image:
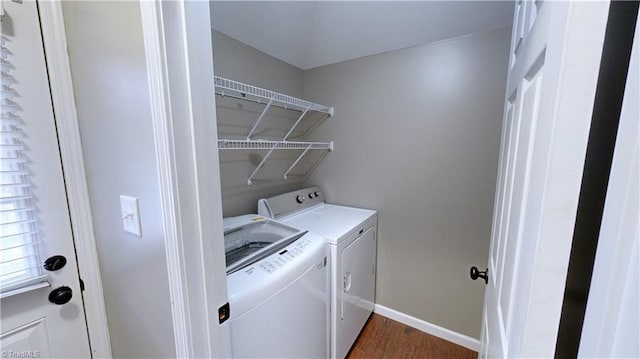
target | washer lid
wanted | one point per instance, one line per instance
(249, 238)
(234, 222)
(331, 221)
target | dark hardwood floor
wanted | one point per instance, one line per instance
(386, 338)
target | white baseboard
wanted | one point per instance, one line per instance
(437, 331)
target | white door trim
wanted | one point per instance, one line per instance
(154, 43)
(66, 117)
(177, 37)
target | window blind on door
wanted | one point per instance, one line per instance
(20, 263)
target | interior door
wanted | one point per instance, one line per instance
(358, 286)
(553, 68)
(35, 217)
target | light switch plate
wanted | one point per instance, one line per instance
(130, 215)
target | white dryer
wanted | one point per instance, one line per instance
(351, 234)
(278, 289)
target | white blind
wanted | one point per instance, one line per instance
(20, 263)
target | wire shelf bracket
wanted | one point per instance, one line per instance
(255, 125)
(296, 161)
(296, 124)
(259, 166)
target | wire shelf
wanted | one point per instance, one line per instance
(271, 146)
(242, 166)
(296, 121)
(268, 145)
(226, 87)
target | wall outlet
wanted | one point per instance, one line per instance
(130, 212)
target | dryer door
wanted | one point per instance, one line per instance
(358, 285)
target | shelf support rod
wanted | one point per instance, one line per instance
(260, 118)
(264, 159)
(298, 160)
(297, 122)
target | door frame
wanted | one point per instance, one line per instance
(196, 330)
(66, 120)
(179, 57)
(194, 275)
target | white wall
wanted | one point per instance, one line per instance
(417, 136)
(109, 73)
(237, 61)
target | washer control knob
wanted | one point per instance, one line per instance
(311, 195)
(317, 194)
(300, 198)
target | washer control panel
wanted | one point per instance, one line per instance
(273, 263)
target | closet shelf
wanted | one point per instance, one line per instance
(226, 87)
(272, 146)
(235, 89)
(267, 145)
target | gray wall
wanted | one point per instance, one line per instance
(417, 135)
(237, 61)
(109, 74)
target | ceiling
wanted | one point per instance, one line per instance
(309, 34)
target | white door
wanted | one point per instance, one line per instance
(553, 68)
(35, 222)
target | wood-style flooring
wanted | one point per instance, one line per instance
(386, 338)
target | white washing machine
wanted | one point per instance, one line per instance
(351, 234)
(277, 280)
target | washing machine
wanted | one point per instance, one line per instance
(277, 278)
(351, 235)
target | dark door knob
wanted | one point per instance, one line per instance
(60, 295)
(475, 274)
(54, 263)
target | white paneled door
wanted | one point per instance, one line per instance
(553, 69)
(41, 306)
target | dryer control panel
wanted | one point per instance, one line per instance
(281, 205)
